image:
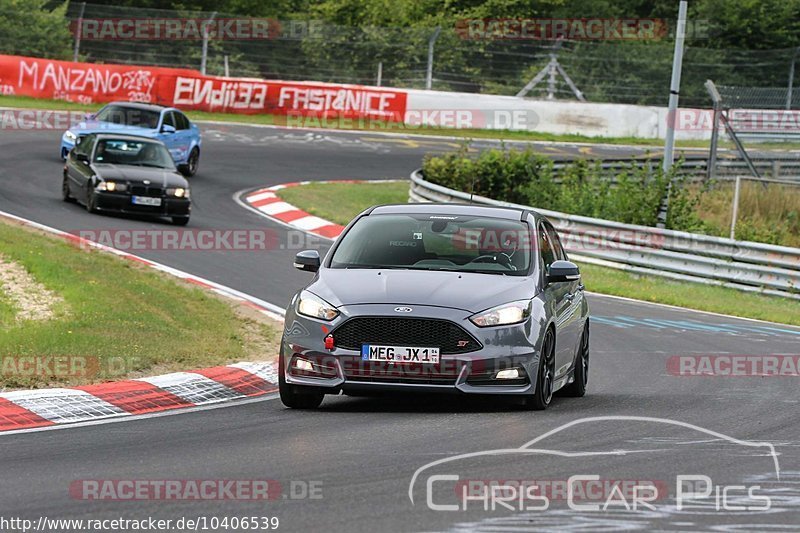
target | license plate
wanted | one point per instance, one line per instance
(399, 354)
(146, 200)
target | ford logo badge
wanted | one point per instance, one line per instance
(403, 309)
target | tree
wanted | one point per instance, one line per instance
(30, 28)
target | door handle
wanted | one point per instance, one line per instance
(569, 297)
(581, 287)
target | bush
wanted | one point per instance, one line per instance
(768, 214)
(633, 196)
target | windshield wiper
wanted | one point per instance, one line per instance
(150, 165)
(369, 266)
(485, 271)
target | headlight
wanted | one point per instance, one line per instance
(178, 192)
(70, 136)
(112, 186)
(510, 313)
(315, 307)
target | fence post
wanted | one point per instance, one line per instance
(227, 66)
(78, 31)
(735, 213)
(431, 42)
(379, 80)
(791, 79)
(204, 59)
(712, 151)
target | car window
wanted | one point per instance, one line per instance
(128, 116)
(434, 242)
(85, 145)
(181, 122)
(169, 120)
(131, 152)
(555, 242)
(546, 249)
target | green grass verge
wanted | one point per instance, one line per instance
(691, 295)
(366, 126)
(7, 311)
(125, 319)
(339, 202)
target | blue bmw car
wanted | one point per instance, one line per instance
(167, 124)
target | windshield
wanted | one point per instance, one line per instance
(138, 153)
(436, 242)
(129, 116)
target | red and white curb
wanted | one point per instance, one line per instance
(40, 408)
(47, 407)
(268, 204)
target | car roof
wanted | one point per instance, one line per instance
(453, 209)
(143, 106)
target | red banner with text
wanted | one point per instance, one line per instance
(90, 83)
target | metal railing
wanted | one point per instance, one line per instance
(786, 168)
(747, 266)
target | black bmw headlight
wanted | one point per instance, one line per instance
(178, 192)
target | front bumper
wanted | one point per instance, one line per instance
(474, 372)
(121, 203)
(66, 146)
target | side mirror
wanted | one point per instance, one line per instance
(563, 271)
(166, 128)
(88, 117)
(307, 260)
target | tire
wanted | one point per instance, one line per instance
(545, 375)
(291, 397)
(180, 221)
(192, 163)
(577, 388)
(65, 194)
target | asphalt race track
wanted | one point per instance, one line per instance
(362, 453)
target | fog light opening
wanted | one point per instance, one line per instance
(511, 373)
(302, 364)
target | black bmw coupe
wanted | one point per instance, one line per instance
(126, 174)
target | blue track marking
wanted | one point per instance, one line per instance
(691, 325)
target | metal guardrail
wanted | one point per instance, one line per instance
(776, 168)
(747, 266)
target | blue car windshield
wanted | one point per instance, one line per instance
(136, 153)
(436, 242)
(129, 116)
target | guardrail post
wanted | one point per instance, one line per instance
(735, 213)
(711, 168)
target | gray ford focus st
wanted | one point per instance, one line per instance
(451, 298)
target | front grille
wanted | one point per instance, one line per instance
(449, 337)
(141, 190)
